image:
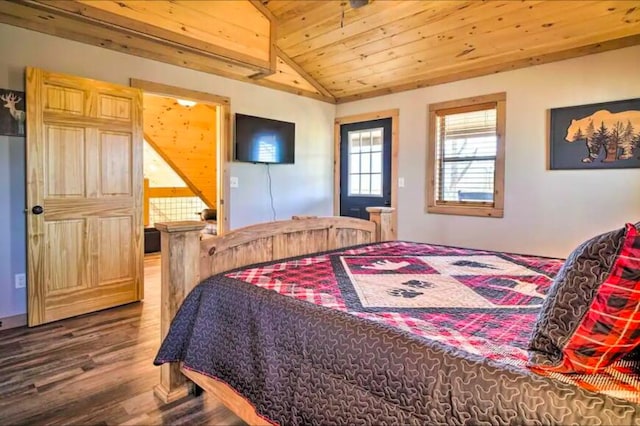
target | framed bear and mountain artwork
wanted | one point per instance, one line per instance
(12, 113)
(596, 136)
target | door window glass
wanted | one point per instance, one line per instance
(365, 162)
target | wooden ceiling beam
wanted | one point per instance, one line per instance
(160, 89)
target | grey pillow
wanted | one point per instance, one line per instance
(570, 296)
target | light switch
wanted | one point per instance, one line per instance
(233, 181)
(400, 182)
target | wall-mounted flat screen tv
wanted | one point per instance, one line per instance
(262, 140)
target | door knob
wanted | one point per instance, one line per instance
(37, 210)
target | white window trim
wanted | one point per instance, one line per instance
(462, 208)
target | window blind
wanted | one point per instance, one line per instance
(466, 147)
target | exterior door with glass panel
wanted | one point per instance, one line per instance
(365, 167)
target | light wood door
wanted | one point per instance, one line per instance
(84, 170)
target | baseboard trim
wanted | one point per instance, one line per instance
(13, 322)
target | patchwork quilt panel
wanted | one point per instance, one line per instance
(390, 333)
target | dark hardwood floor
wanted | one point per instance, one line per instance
(96, 369)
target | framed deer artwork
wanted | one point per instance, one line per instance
(12, 113)
(596, 136)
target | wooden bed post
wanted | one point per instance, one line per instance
(180, 251)
(383, 218)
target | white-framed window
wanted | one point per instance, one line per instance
(465, 165)
(365, 162)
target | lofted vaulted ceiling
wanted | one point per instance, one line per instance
(334, 50)
(185, 138)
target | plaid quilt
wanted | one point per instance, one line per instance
(481, 302)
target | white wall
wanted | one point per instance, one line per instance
(12, 224)
(546, 212)
(302, 188)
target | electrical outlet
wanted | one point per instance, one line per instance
(21, 280)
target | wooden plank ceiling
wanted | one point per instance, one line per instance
(333, 50)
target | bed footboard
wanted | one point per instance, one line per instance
(186, 260)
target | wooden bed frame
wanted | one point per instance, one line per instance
(186, 260)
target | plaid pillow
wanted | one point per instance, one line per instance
(591, 317)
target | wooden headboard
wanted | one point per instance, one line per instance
(186, 260)
(279, 240)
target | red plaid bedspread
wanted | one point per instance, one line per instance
(481, 302)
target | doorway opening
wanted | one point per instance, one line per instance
(186, 136)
